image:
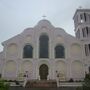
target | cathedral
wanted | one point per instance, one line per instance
(44, 51)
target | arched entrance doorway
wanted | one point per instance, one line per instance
(43, 72)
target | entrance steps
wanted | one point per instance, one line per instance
(56, 88)
(41, 84)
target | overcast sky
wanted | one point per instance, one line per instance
(16, 15)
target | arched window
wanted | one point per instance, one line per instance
(43, 46)
(28, 51)
(89, 69)
(59, 51)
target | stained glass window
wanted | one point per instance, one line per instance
(59, 51)
(43, 46)
(28, 51)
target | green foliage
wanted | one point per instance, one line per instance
(86, 84)
(4, 85)
(79, 88)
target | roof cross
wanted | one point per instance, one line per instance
(44, 16)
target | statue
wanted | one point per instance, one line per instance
(25, 78)
(60, 77)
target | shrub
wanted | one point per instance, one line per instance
(4, 85)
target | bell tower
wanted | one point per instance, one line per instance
(82, 31)
(82, 24)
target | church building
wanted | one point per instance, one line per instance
(45, 51)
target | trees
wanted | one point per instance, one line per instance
(86, 84)
(4, 85)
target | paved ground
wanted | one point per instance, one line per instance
(61, 88)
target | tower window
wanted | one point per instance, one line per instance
(87, 49)
(78, 34)
(84, 32)
(28, 51)
(59, 51)
(89, 69)
(87, 30)
(89, 17)
(81, 18)
(85, 16)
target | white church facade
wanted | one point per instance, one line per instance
(45, 50)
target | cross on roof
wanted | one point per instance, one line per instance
(80, 7)
(44, 16)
